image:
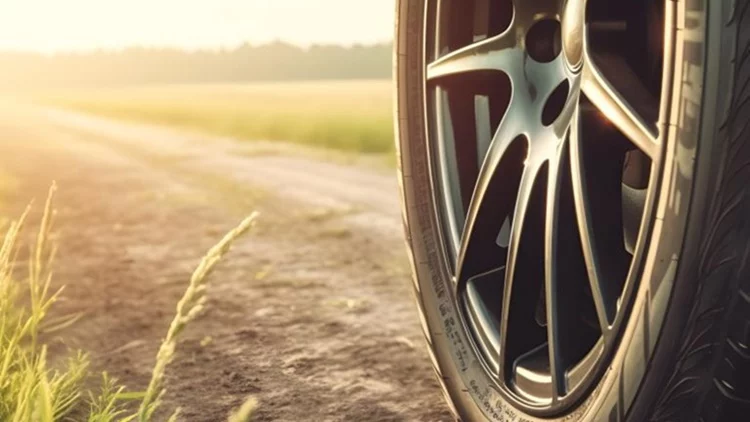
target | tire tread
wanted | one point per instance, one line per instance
(709, 380)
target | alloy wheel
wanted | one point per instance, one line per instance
(546, 129)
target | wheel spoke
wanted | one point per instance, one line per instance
(604, 96)
(495, 53)
(472, 254)
(446, 149)
(551, 272)
(586, 231)
(561, 125)
(525, 190)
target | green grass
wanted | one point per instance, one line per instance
(33, 391)
(353, 116)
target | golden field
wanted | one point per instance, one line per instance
(351, 116)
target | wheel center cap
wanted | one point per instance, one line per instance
(573, 19)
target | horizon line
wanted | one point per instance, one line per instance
(198, 49)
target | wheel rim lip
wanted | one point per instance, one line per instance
(595, 366)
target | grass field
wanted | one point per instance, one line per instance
(351, 116)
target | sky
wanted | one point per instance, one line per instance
(51, 26)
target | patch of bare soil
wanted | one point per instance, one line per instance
(312, 314)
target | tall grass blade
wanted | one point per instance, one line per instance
(244, 412)
(187, 308)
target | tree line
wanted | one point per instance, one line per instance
(270, 62)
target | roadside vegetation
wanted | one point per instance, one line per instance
(34, 389)
(352, 116)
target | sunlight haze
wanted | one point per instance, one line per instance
(80, 25)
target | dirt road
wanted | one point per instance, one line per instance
(312, 313)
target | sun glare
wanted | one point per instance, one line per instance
(54, 26)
